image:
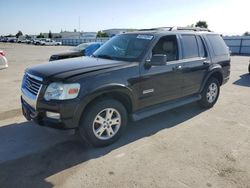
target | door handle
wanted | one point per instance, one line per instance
(206, 62)
(179, 67)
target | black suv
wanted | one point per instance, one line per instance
(135, 75)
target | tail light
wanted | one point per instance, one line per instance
(2, 53)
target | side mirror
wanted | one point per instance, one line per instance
(158, 60)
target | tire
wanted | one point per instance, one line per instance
(249, 68)
(210, 93)
(97, 128)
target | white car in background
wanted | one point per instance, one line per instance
(49, 42)
(3, 60)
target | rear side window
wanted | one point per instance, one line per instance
(190, 46)
(218, 45)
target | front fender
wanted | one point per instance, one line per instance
(99, 91)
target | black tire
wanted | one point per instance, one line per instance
(204, 102)
(249, 68)
(86, 129)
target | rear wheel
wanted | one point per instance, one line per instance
(210, 93)
(103, 123)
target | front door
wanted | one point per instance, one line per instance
(162, 83)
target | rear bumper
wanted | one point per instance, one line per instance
(65, 120)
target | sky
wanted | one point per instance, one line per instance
(229, 17)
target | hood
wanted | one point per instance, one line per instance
(65, 68)
(68, 53)
(65, 55)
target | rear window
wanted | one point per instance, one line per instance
(218, 44)
(190, 46)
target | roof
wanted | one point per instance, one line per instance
(170, 30)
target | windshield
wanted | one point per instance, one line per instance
(127, 47)
(81, 47)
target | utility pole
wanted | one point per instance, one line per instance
(79, 26)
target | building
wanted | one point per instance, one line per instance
(54, 35)
(113, 32)
(78, 35)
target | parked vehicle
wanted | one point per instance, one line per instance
(3, 60)
(35, 41)
(27, 41)
(47, 42)
(135, 75)
(85, 49)
(4, 39)
(249, 67)
(11, 39)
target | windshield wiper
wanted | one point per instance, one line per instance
(104, 56)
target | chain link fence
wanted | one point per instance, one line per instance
(75, 42)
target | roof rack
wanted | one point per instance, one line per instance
(190, 29)
(176, 29)
(157, 29)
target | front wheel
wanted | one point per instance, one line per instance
(103, 122)
(210, 93)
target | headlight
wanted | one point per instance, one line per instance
(60, 91)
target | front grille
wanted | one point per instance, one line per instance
(32, 83)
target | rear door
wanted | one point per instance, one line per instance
(196, 63)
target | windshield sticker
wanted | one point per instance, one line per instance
(146, 37)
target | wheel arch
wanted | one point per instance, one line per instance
(215, 72)
(120, 93)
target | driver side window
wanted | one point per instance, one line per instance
(168, 46)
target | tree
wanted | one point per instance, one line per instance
(58, 36)
(202, 24)
(101, 34)
(19, 33)
(10, 35)
(50, 34)
(40, 36)
(246, 34)
(27, 37)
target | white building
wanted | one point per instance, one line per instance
(113, 32)
(78, 35)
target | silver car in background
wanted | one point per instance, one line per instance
(3, 60)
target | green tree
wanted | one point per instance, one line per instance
(58, 37)
(50, 34)
(246, 34)
(202, 24)
(27, 37)
(10, 35)
(19, 33)
(40, 36)
(101, 34)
